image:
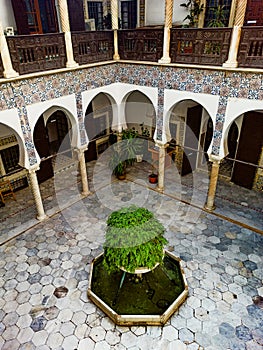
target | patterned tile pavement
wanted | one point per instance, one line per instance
(221, 256)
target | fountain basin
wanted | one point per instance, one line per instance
(146, 299)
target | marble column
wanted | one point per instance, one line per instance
(33, 182)
(213, 182)
(115, 26)
(161, 166)
(9, 72)
(236, 34)
(63, 12)
(83, 171)
(167, 26)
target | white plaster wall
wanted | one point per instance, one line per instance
(155, 12)
(6, 14)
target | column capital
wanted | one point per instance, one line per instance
(161, 145)
(214, 158)
(34, 168)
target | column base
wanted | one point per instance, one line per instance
(209, 208)
(160, 189)
(229, 64)
(85, 194)
(116, 57)
(42, 217)
(10, 74)
(72, 64)
(164, 60)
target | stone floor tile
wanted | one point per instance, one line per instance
(112, 337)
(129, 339)
(40, 338)
(102, 345)
(97, 334)
(169, 333)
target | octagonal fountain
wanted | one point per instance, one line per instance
(144, 294)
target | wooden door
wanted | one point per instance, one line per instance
(254, 10)
(48, 16)
(76, 15)
(42, 146)
(193, 123)
(128, 14)
(35, 16)
(249, 149)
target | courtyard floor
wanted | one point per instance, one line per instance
(221, 255)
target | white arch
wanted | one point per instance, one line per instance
(118, 93)
(173, 97)
(11, 119)
(236, 107)
(67, 104)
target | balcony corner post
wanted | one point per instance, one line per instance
(64, 17)
(115, 25)
(233, 49)
(236, 34)
(167, 26)
(8, 72)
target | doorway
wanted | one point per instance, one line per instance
(248, 150)
(50, 140)
(191, 141)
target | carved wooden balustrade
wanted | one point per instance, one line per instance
(34, 53)
(199, 46)
(140, 44)
(206, 46)
(250, 53)
(92, 46)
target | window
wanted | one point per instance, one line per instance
(96, 11)
(212, 12)
(10, 158)
(33, 16)
(128, 14)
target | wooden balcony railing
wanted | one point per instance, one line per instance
(140, 44)
(34, 53)
(200, 46)
(250, 53)
(206, 46)
(89, 47)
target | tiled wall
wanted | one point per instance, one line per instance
(20, 93)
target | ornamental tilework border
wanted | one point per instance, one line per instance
(21, 93)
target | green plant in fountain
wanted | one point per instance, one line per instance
(134, 238)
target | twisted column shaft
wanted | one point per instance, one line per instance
(212, 184)
(162, 154)
(36, 194)
(236, 34)
(167, 26)
(64, 17)
(83, 172)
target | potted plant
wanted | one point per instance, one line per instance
(134, 240)
(117, 163)
(153, 178)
